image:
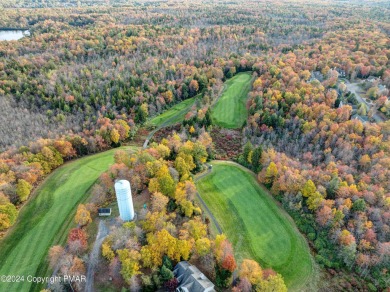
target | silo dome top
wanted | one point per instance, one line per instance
(122, 184)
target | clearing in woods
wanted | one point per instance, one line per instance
(174, 115)
(257, 227)
(46, 218)
(230, 110)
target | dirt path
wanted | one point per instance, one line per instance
(94, 255)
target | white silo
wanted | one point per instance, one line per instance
(125, 202)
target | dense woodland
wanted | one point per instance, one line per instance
(331, 172)
(89, 77)
(108, 62)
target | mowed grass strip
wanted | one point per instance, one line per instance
(230, 110)
(174, 115)
(45, 219)
(257, 227)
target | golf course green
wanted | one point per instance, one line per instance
(230, 111)
(257, 227)
(46, 218)
(174, 115)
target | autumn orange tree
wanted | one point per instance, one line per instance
(226, 263)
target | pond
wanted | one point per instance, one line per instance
(13, 35)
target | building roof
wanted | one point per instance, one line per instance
(191, 278)
(360, 118)
(372, 78)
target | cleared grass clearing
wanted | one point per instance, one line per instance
(257, 227)
(174, 115)
(230, 111)
(46, 218)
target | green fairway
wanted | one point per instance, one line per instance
(257, 227)
(230, 111)
(46, 218)
(174, 115)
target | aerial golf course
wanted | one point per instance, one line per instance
(252, 220)
(257, 227)
(46, 218)
(230, 111)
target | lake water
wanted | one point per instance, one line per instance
(12, 35)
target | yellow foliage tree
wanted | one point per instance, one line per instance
(123, 129)
(163, 243)
(308, 189)
(130, 263)
(107, 252)
(83, 217)
(196, 228)
(187, 207)
(163, 182)
(182, 167)
(156, 221)
(181, 198)
(203, 246)
(192, 130)
(257, 83)
(251, 270)
(218, 242)
(23, 190)
(114, 136)
(163, 150)
(365, 160)
(271, 173)
(4, 222)
(314, 201)
(271, 284)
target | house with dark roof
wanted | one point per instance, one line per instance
(191, 279)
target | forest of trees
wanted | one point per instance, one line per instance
(332, 173)
(88, 78)
(80, 64)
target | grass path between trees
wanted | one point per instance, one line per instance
(46, 218)
(170, 117)
(174, 115)
(256, 225)
(230, 110)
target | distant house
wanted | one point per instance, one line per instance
(104, 211)
(191, 279)
(341, 72)
(382, 89)
(316, 76)
(360, 118)
(373, 79)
